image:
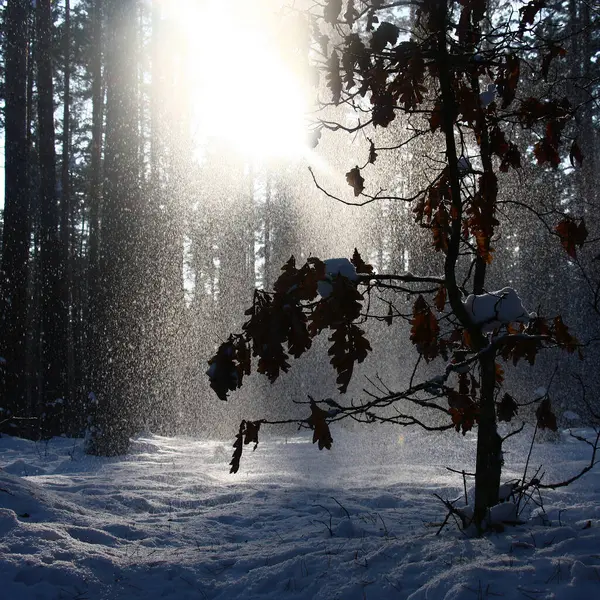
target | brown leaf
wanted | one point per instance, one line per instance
(317, 422)
(359, 264)
(563, 337)
(349, 346)
(499, 373)
(529, 12)
(440, 298)
(355, 181)
(228, 366)
(554, 52)
(546, 419)
(334, 79)
(372, 153)
(332, 10)
(386, 33)
(465, 417)
(424, 329)
(238, 449)
(571, 235)
(251, 433)
(389, 319)
(351, 13)
(507, 408)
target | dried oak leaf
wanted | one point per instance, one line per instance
(332, 10)
(355, 181)
(571, 235)
(552, 54)
(575, 155)
(349, 346)
(507, 408)
(389, 318)
(351, 13)
(359, 264)
(334, 79)
(386, 33)
(499, 373)
(424, 329)
(238, 449)
(440, 298)
(372, 153)
(228, 366)
(562, 336)
(251, 433)
(317, 422)
(546, 419)
(529, 12)
(464, 418)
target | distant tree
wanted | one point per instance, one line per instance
(457, 79)
(120, 281)
(52, 258)
(16, 217)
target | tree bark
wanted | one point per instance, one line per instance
(15, 239)
(95, 189)
(120, 283)
(54, 315)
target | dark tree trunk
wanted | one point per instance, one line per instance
(54, 320)
(489, 443)
(121, 302)
(66, 233)
(95, 194)
(16, 234)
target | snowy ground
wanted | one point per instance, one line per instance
(357, 522)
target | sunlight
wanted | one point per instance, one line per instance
(244, 88)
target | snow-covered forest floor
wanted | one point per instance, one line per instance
(357, 522)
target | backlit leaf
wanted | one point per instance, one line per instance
(571, 235)
(546, 419)
(507, 408)
(359, 264)
(317, 422)
(355, 181)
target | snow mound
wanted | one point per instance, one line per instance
(168, 522)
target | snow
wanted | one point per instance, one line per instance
(487, 97)
(496, 308)
(571, 416)
(334, 267)
(464, 165)
(168, 521)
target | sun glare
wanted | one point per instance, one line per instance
(243, 89)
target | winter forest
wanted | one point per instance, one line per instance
(300, 299)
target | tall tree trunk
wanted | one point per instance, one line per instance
(54, 321)
(15, 239)
(95, 195)
(120, 383)
(66, 233)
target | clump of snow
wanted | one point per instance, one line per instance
(333, 268)
(464, 165)
(494, 309)
(487, 97)
(572, 416)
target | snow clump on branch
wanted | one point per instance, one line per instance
(495, 309)
(333, 268)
